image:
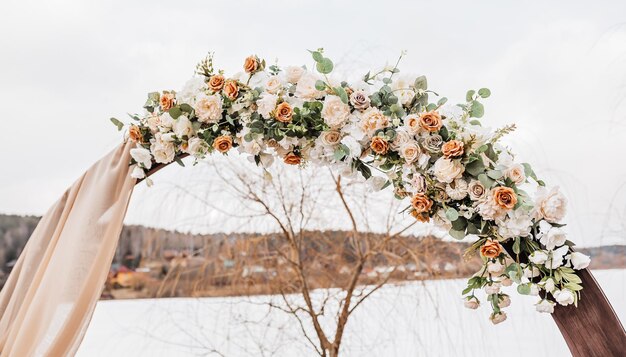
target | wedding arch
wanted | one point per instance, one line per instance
(386, 129)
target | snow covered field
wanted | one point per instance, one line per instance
(417, 319)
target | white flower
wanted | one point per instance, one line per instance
(495, 268)
(197, 147)
(579, 260)
(166, 120)
(545, 305)
(266, 105)
(305, 88)
(410, 151)
(472, 303)
(534, 290)
(492, 289)
(517, 224)
(335, 112)
(555, 237)
(497, 318)
(163, 152)
(293, 74)
(352, 145)
(550, 205)
(153, 122)
(447, 170)
(375, 183)
(142, 156)
(531, 272)
(273, 85)
(505, 301)
(137, 172)
(208, 108)
(457, 190)
(538, 257)
(556, 258)
(516, 174)
(506, 282)
(373, 119)
(190, 90)
(402, 137)
(488, 209)
(182, 127)
(330, 138)
(563, 297)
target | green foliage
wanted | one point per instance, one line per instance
(117, 123)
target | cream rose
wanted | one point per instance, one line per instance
(330, 138)
(266, 105)
(410, 151)
(141, 156)
(373, 119)
(335, 112)
(273, 85)
(305, 88)
(182, 127)
(447, 170)
(550, 205)
(208, 108)
(516, 174)
(412, 123)
(472, 303)
(163, 152)
(293, 74)
(197, 147)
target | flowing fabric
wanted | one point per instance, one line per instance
(49, 298)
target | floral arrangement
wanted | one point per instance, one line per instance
(438, 157)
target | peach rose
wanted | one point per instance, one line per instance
(216, 83)
(135, 134)
(504, 197)
(223, 143)
(231, 89)
(251, 64)
(430, 121)
(379, 145)
(421, 203)
(283, 112)
(292, 159)
(166, 101)
(412, 123)
(453, 148)
(491, 249)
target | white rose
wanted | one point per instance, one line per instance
(305, 88)
(457, 190)
(352, 145)
(495, 268)
(375, 183)
(545, 305)
(142, 156)
(182, 127)
(410, 152)
(554, 238)
(579, 260)
(273, 85)
(516, 174)
(197, 147)
(208, 108)
(550, 205)
(549, 285)
(497, 318)
(153, 123)
(166, 120)
(335, 112)
(563, 297)
(401, 87)
(402, 137)
(190, 90)
(472, 303)
(293, 74)
(447, 170)
(556, 257)
(163, 152)
(538, 257)
(137, 172)
(492, 289)
(266, 105)
(517, 224)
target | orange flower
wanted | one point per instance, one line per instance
(379, 145)
(231, 89)
(166, 101)
(292, 159)
(422, 217)
(223, 143)
(452, 149)
(251, 64)
(504, 197)
(135, 134)
(216, 82)
(491, 249)
(283, 112)
(421, 203)
(430, 121)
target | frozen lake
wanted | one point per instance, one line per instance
(417, 319)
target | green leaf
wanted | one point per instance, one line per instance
(442, 101)
(317, 56)
(469, 95)
(186, 108)
(516, 245)
(495, 174)
(459, 224)
(342, 94)
(484, 92)
(475, 168)
(485, 180)
(523, 289)
(421, 83)
(175, 112)
(117, 123)
(325, 66)
(320, 85)
(452, 214)
(457, 234)
(179, 161)
(477, 110)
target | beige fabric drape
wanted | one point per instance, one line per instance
(49, 298)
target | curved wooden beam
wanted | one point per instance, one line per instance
(590, 330)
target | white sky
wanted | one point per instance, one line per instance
(557, 69)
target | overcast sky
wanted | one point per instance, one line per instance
(557, 69)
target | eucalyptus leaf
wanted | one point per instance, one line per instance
(421, 83)
(452, 214)
(484, 92)
(117, 123)
(325, 66)
(457, 234)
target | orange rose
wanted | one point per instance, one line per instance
(223, 143)
(231, 89)
(283, 112)
(430, 121)
(504, 197)
(421, 203)
(135, 134)
(379, 145)
(491, 249)
(292, 159)
(216, 82)
(251, 64)
(452, 149)
(422, 217)
(166, 101)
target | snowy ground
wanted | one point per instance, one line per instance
(418, 319)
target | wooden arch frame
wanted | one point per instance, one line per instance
(590, 330)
